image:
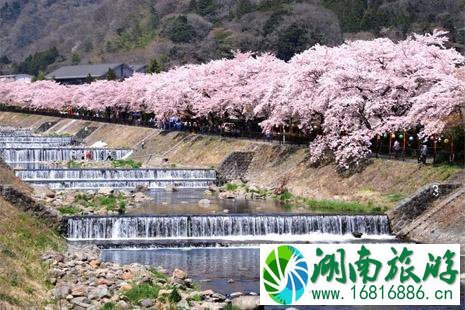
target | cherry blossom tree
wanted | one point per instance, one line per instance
(341, 97)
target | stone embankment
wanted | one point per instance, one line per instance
(434, 214)
(82, 281)
(234, 166)
(412, 207)
(19, 194)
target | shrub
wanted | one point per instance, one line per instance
(285, 196)
(142, 291)
(196, 297)
(158, 274)
(73, 164)
(68, 210)
(231, 187)
(108, 306)
(126, 163)
(174, 296)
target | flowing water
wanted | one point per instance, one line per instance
(36, 139)
(244, 227)
(119, 178)
(173, 229)
(220, 252)
(39, 154)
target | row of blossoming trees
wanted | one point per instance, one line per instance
(343, 96)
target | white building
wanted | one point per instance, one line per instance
(17, 77)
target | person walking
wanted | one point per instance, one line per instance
(423, 154)
(396, 148)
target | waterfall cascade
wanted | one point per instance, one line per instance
(35, 139)
(30, 154)
(220, 226)
(116, 174)
(22, 145)
(118, 178)
(33, 157)
(10, 131)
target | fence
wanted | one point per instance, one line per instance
(235, 130)
(439, 150)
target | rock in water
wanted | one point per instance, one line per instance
(106, 191)
(204, 203)
(179, 274)
(141, 188)
(170, 188)
(246, 302)
(357, 234)
(140, 197)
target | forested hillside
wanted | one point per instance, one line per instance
(36, 35)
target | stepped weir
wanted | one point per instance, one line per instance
(37, 154)
(118, 178)
(220, 226)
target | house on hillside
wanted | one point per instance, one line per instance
(80, 74)
(139, 68)
(17, 77)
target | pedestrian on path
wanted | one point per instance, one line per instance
(396, 148)
(423, 154)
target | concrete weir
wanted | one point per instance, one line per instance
(233, 227)
(152, 178)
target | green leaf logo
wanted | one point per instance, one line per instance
(285, 274)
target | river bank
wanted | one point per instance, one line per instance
(383, 183)
(81, 279)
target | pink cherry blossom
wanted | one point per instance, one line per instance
(341, 97)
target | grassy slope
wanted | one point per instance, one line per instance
(23, 240)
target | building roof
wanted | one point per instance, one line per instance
(18, 76)
(138, 67)
(81, 71)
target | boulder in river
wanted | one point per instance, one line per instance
(246, 302)
(204, 203)
(179, 274)
(106, 191)
(357, 234)
(170, 188)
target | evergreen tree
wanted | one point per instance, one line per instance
(153, 67)
(89, 79)
(75, 59)
(244, 7)
(111, 76)
(39, 77)
(4, 60)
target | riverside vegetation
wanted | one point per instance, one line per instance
(241, 190)
(119, 163)
(101, 202)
